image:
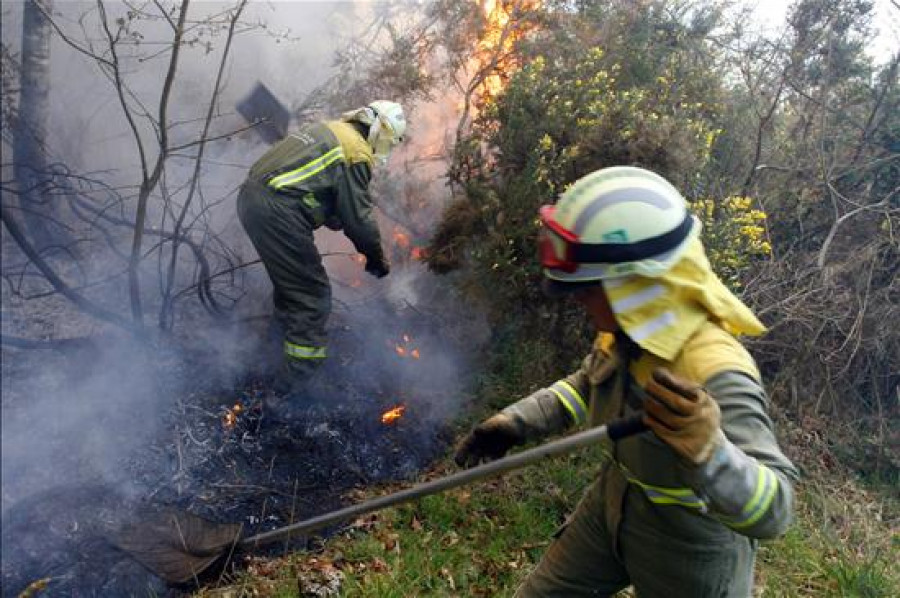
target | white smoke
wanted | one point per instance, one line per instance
(76, 418)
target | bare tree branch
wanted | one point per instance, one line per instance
(58, 283)
(165, 309)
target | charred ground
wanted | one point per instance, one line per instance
(207, 444)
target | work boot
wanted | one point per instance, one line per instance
(294, 399)
(286, 409)
(294, 375)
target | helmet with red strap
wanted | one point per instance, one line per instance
(614, 222)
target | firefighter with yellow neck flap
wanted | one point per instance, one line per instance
(318, 175)
(679, 511)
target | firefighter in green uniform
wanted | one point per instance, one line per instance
(318, 175)
(675, 512)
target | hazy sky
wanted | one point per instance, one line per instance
(887, 22)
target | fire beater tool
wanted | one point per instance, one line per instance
(261, 108)
(178, 546)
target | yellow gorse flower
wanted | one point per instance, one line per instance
(733, 233)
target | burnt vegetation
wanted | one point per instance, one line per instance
(137, 353)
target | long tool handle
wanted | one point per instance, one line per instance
(614, 431)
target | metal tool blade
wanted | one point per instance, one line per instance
(270, 117)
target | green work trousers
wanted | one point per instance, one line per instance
(282, 234)
(616, 538)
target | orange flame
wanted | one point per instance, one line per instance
(403, 349)
(401, 239)
(229, 420)
(493, 41)
(503, 29)
(393, 414)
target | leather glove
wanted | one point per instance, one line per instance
(489, 440)
(682, 415)
(378, 268)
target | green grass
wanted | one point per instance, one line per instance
(844, 543)
(483, 540)
(477, 541)
(470, 542)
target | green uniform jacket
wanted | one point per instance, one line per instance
(746, 486)
(327, 166)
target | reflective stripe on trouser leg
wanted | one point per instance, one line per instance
(295, 351)
(283, 238)
(299, 371)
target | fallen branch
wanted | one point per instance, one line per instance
(59, 344)
(83, 303)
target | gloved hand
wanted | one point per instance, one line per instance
(683, 416)
(378, 268)
(489, 440)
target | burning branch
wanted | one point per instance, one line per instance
(35, 588)
(392, 415)
(230, 419)
(494, 58)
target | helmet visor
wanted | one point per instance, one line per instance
(555, 243)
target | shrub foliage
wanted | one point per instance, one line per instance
(787, 150)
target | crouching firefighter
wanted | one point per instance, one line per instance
(318, 175)
(675, 512)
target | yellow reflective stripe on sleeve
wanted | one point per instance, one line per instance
(571, 400)
(575, 393)
(567, 405)
(309, 169)
(759, 503)
(303, 352)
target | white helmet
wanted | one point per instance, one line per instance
(615, 222)
(386, 122)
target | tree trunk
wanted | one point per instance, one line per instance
(30, 131)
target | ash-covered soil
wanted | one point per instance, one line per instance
(91, 447)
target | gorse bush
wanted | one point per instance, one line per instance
(734, 235)
(559, 121)
(786, 153)
(559, 118)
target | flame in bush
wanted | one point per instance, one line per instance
(494, 42)
(401, 239)
(504, 27)
(392, 414)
